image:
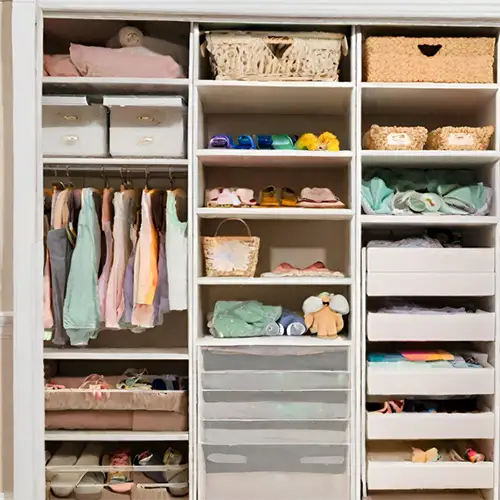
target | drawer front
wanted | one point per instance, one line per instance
(277, 359)
(137, 131)
(248, 432)
(274, 380)
(430, 284)
(74, 131)
(393, 327)
(275, 472)
(299, 405)
(387, 381)
(431, 260)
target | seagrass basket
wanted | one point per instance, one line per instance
(231, 255)
(437, 60)
(460, 138)
(252, 55)
(395, 138)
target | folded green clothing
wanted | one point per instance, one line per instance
(412, 191)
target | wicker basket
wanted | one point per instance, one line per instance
(231, 255)
(395, 138)
(238, 55)
(460, 138)
(438, 60)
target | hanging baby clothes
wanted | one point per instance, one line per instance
(160, 301)
(128, 284)
(48, 318)
(108, 235)
(124, 204)
(81, 306)
(146, 266)
(176, 255)
(60, 252)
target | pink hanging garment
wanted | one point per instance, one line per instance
(108, 235)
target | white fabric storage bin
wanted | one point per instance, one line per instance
(275, 472)
(240, 432)
(142, 126)
(72, 127)
(275, 359)
(274, 380)
(267, 405)
(394, 327)
(406, 426)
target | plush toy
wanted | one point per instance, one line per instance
(325, 142)
(323, 314)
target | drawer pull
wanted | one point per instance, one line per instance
(225, 458)
(145, 140)
(145, 118)
(70, 139)
(71, 118)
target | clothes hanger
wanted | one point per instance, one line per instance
(70, 184)
(105, 178)
(146, 179)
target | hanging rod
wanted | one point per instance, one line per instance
(108, 170)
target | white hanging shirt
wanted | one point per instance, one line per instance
(176, 250)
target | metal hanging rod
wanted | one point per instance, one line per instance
(109, 170)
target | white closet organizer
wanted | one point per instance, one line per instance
(281, 418)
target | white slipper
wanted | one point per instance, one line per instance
(67, 454)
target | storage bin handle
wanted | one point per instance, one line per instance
(146, 140)
(232, 218)
(278, 45)
(70, 139)
(429, 50)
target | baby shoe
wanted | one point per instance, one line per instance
(269, 197)
(246, 197)
(328, 142)
(222, 198)
(288, 197)
(292, 323)
(221, 141)
(245, 142)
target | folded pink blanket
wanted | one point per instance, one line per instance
(131, 62)
(59, 65)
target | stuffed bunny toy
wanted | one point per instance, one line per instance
(323, 314)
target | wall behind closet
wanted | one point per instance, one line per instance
(6, 250)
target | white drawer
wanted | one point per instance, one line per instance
(241, 432)
(265, 405)
(384, 380)
(147, 126)
(430, 284)
(275, 472)
(430, 260)
(399, 475)
(243, 380)
(393, 327)
(430, 426)
(255, 359)
(71, 127)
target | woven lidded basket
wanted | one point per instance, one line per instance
(231, 255)
(395, 138)
(239, 55)
(438, 60)
(460, 138)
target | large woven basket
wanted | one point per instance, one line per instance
(460, 138)
(231, 255)
(438, 60)
(395, 138)
(238, 55)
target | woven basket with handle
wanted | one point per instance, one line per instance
(238, 55)
(231, 255)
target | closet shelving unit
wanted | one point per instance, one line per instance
(346, 108)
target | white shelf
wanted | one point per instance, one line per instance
(428, 159)
(273, 158)
(311, 98)
(139, 353)
(428, 220)
(427, 495)
(96, 85)
(115, 436)
(276, 213)
(288, 281)
(422, 98)
(282, 340)
(120, 162)
(407, 426)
